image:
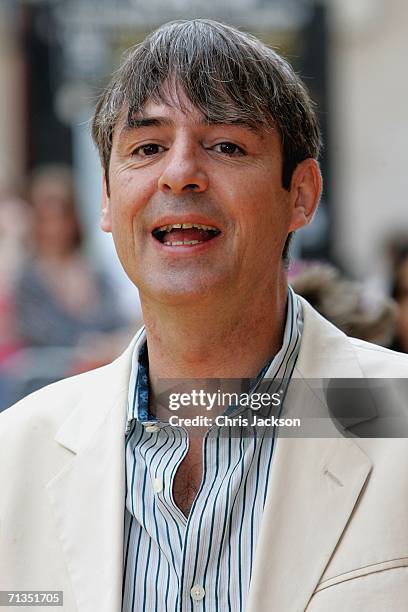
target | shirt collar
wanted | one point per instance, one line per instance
(279, 367)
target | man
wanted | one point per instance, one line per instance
(209, 144)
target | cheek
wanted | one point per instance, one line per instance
(130, 196)
(271, 213)
(275, 226)
(263, 228)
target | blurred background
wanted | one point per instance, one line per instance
(65, 303)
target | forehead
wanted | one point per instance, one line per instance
(179, 111)
(162, 114)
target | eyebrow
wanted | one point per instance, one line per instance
(141, 122)
(134, 123)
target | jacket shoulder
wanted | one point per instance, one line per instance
(378, 361)
(53, 403)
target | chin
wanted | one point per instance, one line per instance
(181, 291)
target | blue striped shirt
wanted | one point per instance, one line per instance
(203, 562)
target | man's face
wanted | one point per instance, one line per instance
(173, 169)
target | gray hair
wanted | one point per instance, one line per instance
(228, 75)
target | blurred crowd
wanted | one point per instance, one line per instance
(356, 307)
(60, 314)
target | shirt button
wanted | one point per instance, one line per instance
(197, 592)
(157, 485)
(152, 428)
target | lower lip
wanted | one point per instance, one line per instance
(186, 249)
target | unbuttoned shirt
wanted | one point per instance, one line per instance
(202, 562)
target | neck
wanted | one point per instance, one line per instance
(223, 338)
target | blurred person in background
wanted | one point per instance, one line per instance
(15, 231)
(399, 291)
(61, 299)
(353, 308)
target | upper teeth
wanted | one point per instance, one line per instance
(168, 228)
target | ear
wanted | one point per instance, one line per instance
(106, 222)
(305, 192)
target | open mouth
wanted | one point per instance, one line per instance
(185, 234)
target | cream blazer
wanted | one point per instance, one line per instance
(334, 534)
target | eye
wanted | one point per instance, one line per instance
(147, 150)
(228, 148)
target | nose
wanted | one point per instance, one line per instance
(182, 172)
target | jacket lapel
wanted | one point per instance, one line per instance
(314, 486)
(315, 482)
(88, 494)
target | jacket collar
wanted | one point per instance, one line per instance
(325, 352)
